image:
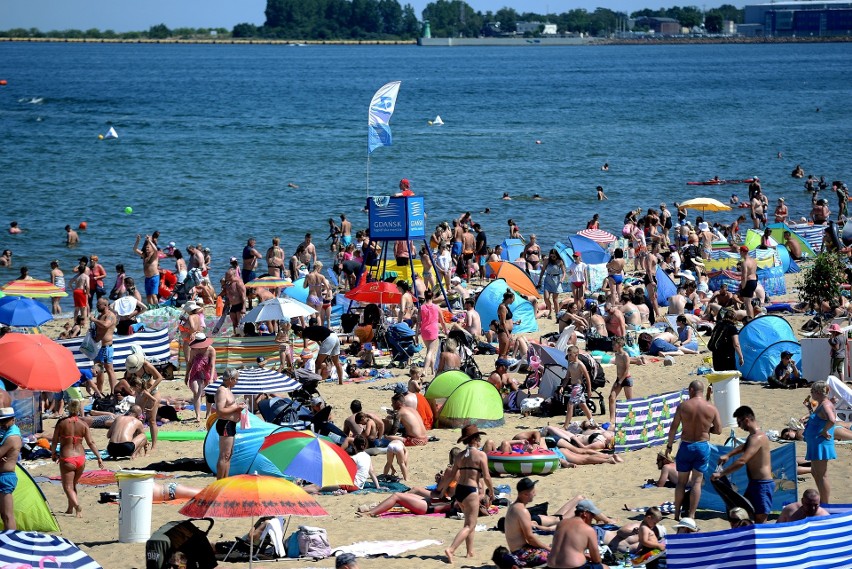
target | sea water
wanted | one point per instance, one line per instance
(211, 136)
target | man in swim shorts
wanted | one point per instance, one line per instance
(527, 550)
(699, 418)
(250, 257)
(80, 286)
(127, 434)
(345, 231)
(413, 431)
(150, 267)
(10, 449)
(758, 462)
(748, 280)
(104, 330)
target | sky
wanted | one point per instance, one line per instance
(135, 15)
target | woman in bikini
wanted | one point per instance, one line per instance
(615, 274)
(201, 369)
(71, 432)
(426, 261)
(471, 466)
(532, 254)
(505, 324)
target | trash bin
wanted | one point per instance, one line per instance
(726, 394)
(136, 496)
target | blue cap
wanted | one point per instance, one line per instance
(344, 559)
(501, 362)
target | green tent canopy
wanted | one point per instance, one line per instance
(474, 402)
(444, 384)
(778, 230)
(31, 510)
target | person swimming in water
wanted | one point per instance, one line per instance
(506, 196)
(605, 167)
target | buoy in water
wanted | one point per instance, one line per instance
(538, 142)
(83, 225)
(128, 210)
(429, 123)
(100, 137)
(2, 81)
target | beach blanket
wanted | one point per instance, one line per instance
(370, 488)
(644, 422)
(389, 548)
(597, 276)
(771, 278)
(101, 478)
(783, 473)
(155, 344)
(666, 508)
(400, 512)
(810, 543)
(243, 352)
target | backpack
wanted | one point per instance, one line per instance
(313, 542)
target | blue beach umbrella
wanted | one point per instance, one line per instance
(30, 548)
(23, 312)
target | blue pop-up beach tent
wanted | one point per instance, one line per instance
(762, 340)
(512, 249)
(590, 252)
(491, 297)
(245, 458)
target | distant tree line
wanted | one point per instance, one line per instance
(160, 31)
(387, 19)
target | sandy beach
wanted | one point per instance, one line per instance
(610, 486)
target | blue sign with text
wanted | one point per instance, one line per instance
(396, 218)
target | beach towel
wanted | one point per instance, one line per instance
(666, 508)
(644, 422)
(389, 548)
(101, 478)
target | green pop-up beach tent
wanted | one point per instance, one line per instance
(31, 510)
(473, 402)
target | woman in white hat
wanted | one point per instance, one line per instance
(201, 369)
(143, 378)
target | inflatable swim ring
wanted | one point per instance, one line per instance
(539, 461)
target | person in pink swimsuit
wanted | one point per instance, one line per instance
(201, 370)
(71, 456)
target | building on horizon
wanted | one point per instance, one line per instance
(797, 19)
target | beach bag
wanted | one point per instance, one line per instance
(291, 545)
(106, 403)
(313, 542)
(90, 347)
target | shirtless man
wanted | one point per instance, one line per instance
(699, 418)
(524, 545)
(500, 377)
(71, 236)
(809, 507)
(411, 423)
(127, 435)
(80, 290)
(649, 265)
(309, 252)
(573, 537)
(748, 280)
(345, 231)
(472, 321)
(351, 427)
(315, 283)
(722, 298)
(104, 330)
(235, 289)
(10, 449)
(622, 377)
(228, 413)
(275, 258)
(250, 257)
(614, 319)
(793, 246)
(150, 267)
(757, 211)
(755, 456)
(196, 259)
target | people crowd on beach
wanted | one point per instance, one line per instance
(440, 299)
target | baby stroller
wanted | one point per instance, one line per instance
(183, 536)
(292, 412)
(399, 339)
(467, 344)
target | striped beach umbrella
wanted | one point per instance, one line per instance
(281, 308)
(34, 549)
(302, 454)
(269, 282)
(598, 236)
(258, 380)
(33, 288)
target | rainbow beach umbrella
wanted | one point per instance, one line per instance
(250, 496)
(33, 288)
(301, 454)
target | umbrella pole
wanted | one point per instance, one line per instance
(251, 543)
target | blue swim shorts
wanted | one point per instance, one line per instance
(248, 276)
(457, 248)
(759, 493)
(152, 285)
(617, 279)
(346, 240)
(8, 481)
(693, 456)
(104, 355)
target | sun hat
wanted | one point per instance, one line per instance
(200, 340)
(835, 328)
(455, 279)
(172, 244)
(468, 432)
(525, 484)
(234, 261)
(703, 226)
(687, 523)
(686, 274)
(190, 307)
(317, 400)
(134, 362)
(588, 506)
(7, 413)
